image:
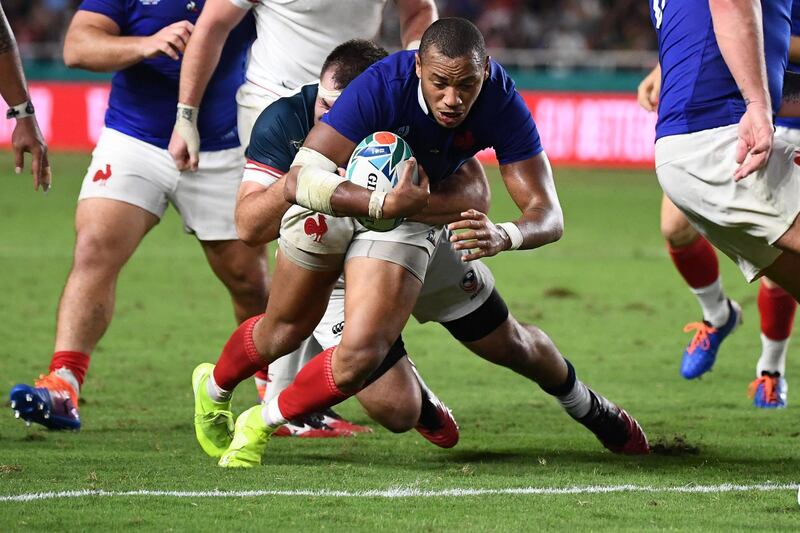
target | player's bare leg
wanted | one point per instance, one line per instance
(375, 319)
(394, 399)
(244, 272)
(107, 234)
(697, 262)
(528, 351)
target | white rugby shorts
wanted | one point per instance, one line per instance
(789, 135)
(743, 219)
(126, 169)
(452, 290)
(251, 100)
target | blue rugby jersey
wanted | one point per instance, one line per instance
(144, 96)
(387, 97)
(698, 91)
(792, 122)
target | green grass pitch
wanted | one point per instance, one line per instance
(607, 294)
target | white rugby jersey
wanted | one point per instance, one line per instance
(295, 36)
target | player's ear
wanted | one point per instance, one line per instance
(486, 69)
(417, 65)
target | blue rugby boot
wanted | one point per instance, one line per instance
(51, 402)
(699, 356)
(769, 391)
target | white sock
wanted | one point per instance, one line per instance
(713, 303)
(67, 375)
(217, 393)
(261, 384)
(578, 401)
(773, 356)
(271, 414)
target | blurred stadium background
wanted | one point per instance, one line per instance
(577, 62)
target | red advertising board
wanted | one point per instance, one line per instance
(584, 129)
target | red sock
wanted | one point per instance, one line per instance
(777, 310)
(312, 390)
(696, 262)
(239, 359)
(75, 362)
(262, 374)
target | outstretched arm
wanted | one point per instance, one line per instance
(531, 186)
(26, 136)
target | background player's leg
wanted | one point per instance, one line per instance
(394, 399)
(528, 351)
(785, 270)
(244, 271)
(108, 232)
(697, 262)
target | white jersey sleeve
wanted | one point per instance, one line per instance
(244, 4)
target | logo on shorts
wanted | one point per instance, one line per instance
(315, 228)
(797, 158)
(431, 237)
(338, 328)
(102, 176)
(471, 284)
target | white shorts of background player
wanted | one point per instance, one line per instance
(129, 170)
(742, 219)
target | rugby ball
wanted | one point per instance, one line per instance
(377, 164)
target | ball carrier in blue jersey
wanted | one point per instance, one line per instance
(132, 179)
(448, 101)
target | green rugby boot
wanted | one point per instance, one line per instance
(213, 421)
(249, 440)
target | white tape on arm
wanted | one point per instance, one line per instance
(186, 127)
(316, 181)
(513, 232)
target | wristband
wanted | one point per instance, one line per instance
(376, 200)
(22, 110)
(513, 232)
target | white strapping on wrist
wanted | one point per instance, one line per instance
(187, 112)
(513, 232)
(316, 181)
(376, 200)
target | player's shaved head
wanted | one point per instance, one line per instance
(350, 59)
(454, 38)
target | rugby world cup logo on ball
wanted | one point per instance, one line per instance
(377, 163)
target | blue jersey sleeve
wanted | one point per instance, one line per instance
(365, 106)
(116, 10)
(796, 18)
(272, 141)
(517, 139)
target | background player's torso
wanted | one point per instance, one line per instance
(792, 122)
(144, 96)
(295, 36)
(698, 91)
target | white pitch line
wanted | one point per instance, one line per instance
(407, 492)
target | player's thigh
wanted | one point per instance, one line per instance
(237, 265)
(393, 400)
(675, 227)
(109, 231)
(785, 271)
(297, 302)
(378, 302)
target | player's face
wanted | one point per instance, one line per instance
(450, 85)
(323, 105)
